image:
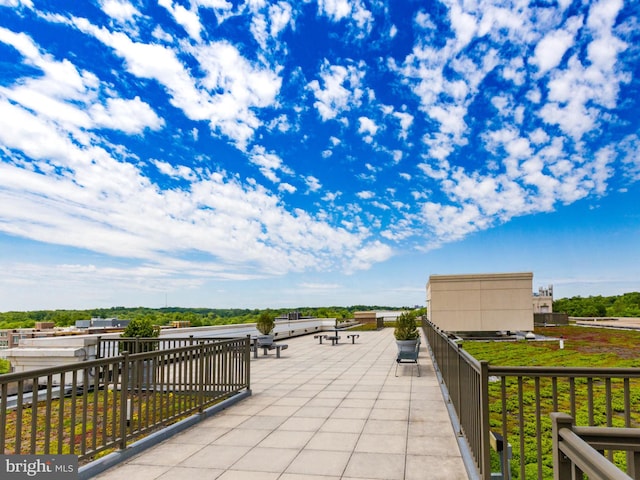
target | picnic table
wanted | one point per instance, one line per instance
(335, 336)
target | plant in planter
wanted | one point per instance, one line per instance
(140, 328)
(138, 334)
(265, 325)
(406, 332)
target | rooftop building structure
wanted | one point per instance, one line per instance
(486, 302)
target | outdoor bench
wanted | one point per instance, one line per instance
(353, 337)
(272, 346)
(320, 337)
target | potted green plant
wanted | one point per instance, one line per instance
(141, 329)
(406, 332)
(139, 333)
(265, 326)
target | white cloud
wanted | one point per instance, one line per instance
(369, 255)
(539, 136)
(129, 116)
(120, 10)
(577, 92)
(339, 89)
(366, 194)
(367, 126)
(188, 19)
(313, 184)
(269, 21)
(175, 171)
(629, 149)
(269, 163)
(227, 96)
(107, 206)
(320, 286)
(515, 71)
(367, 129)
(16, 3)
(286, 187)
(406, 120)
(70, 97)
(331, 196)
(464, 25)
(423, 20)
(450, 223)
(338, 10)
(335, 9)
(553, 46)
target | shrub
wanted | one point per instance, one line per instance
(265, 323)
(142, 328)
(406, 327)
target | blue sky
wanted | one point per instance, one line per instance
(219, 153)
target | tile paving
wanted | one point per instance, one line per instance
(320, 412)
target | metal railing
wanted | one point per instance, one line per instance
(96, 406)
(516, 402)
(578, 450)
(111, 347)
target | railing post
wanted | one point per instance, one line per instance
(247, 359)
(561, 464)
(459, 389)
(484, 420)
(633, 464)
(124, 392)
(202, 348)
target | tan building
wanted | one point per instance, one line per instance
(481, 302)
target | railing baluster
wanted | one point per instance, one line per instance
(538, 426)
(521, 425)
(61, 406)
(4, 392)
(590, 399)
(74, 396)
(34, 415)
(572, 396)
(47, 417)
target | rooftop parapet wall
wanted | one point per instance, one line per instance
(35, 353)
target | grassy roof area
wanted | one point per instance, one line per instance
(583, 347)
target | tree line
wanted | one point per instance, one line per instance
(198, 317)
(625, 305)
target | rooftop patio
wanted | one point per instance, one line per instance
(318, 412)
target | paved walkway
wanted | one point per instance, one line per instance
(320, 412)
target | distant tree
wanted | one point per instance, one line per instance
(627, 305)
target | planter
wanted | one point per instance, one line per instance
(265, 339)
(407, 345)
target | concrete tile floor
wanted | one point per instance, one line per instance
(320, 412)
